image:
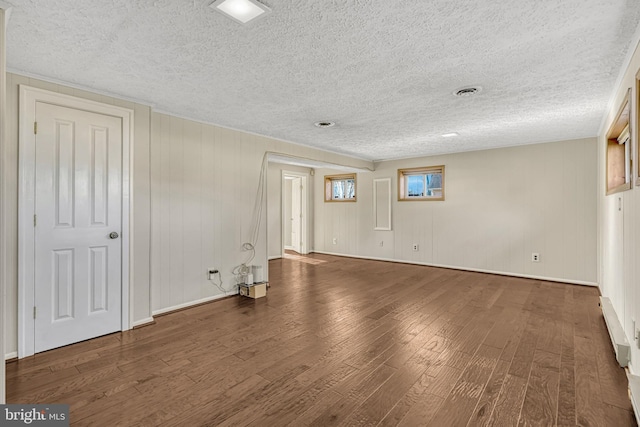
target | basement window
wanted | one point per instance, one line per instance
(619, 150)
(340, 188)
(425, 183)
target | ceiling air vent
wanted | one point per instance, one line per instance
(467, 91)
(324, 124)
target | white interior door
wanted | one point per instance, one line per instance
(78, 222)
(296, 214)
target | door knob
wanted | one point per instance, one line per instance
(113, 235)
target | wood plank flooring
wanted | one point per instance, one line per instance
(352, 342)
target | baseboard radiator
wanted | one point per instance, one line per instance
(634, 394)
(618, 337)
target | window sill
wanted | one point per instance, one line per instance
(619, 189)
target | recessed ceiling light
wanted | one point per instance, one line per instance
(449, 135)
(467, 91)
(241, 11)
(324, 124)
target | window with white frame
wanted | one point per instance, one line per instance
(340, 188)
(425, 183)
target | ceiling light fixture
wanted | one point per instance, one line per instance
(467, 91)
(241, 11)
(449, 135)
(324, 124)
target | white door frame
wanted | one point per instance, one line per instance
(26, 204)
(296, 195)
(304, 199)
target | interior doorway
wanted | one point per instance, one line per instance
(294, 212)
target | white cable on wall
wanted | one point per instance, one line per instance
(250, 246)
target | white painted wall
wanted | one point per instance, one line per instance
(274, 206)
(619, 230)
(501, 205)
(204, 182)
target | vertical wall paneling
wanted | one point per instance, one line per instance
(501, 205)
(193, 191)
(619, 234)
(204, 187)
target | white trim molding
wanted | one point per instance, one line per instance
(304, 226)
(634, 394)
(455, 267)
(142, 322)
(618, 338)
(193, 303)
(26, 204)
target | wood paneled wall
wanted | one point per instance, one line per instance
(194, 187)
(204, 183)
(501, 206)
(619, 224)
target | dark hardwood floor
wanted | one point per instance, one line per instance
(341, 341)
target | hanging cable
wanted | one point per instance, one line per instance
(218, 284)
(244, 269)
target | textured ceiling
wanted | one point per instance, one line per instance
(383, 70)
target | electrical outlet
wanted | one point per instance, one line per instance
(211, 272)
(416, 248)
(381, 243)
(535, 257)
(335, 240)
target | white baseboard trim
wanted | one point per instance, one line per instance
(12, 355)
(456, 267)
(618, 338)
(634, 394)
(142, 322)
(192, 303)
(289, 248)
(274, 257)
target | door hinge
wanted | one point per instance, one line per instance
(34, 311)
(34, 220)
(35, 128)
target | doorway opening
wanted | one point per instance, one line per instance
(294, 212)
